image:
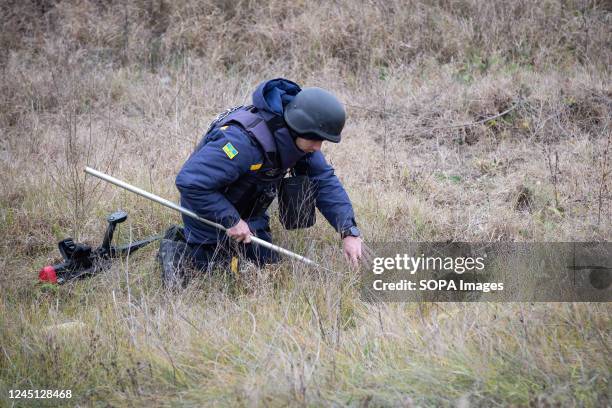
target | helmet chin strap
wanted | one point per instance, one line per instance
(294, 137)
(293, 134)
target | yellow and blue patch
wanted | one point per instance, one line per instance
(230, 150)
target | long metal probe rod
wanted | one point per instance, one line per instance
(191, 214)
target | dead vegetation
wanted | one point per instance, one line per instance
(468, 121)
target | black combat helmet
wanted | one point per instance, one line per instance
(315, 113)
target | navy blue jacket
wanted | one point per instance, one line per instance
(210, 169)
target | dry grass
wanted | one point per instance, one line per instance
(129, 87)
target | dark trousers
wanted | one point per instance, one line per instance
(205, 255)
(177, 256)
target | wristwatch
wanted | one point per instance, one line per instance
(350, 232)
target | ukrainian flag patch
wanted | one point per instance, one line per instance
(230, 150)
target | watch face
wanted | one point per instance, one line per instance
(351, 232)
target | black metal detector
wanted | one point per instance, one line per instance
(80, 260)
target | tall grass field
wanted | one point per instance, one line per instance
(467, 120)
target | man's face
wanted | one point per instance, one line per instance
(307, 145)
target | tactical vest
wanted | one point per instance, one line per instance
(252, 193)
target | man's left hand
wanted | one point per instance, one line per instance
(352, 249)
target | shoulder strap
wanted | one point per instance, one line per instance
(256, 127)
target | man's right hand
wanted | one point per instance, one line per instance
(240, 232)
